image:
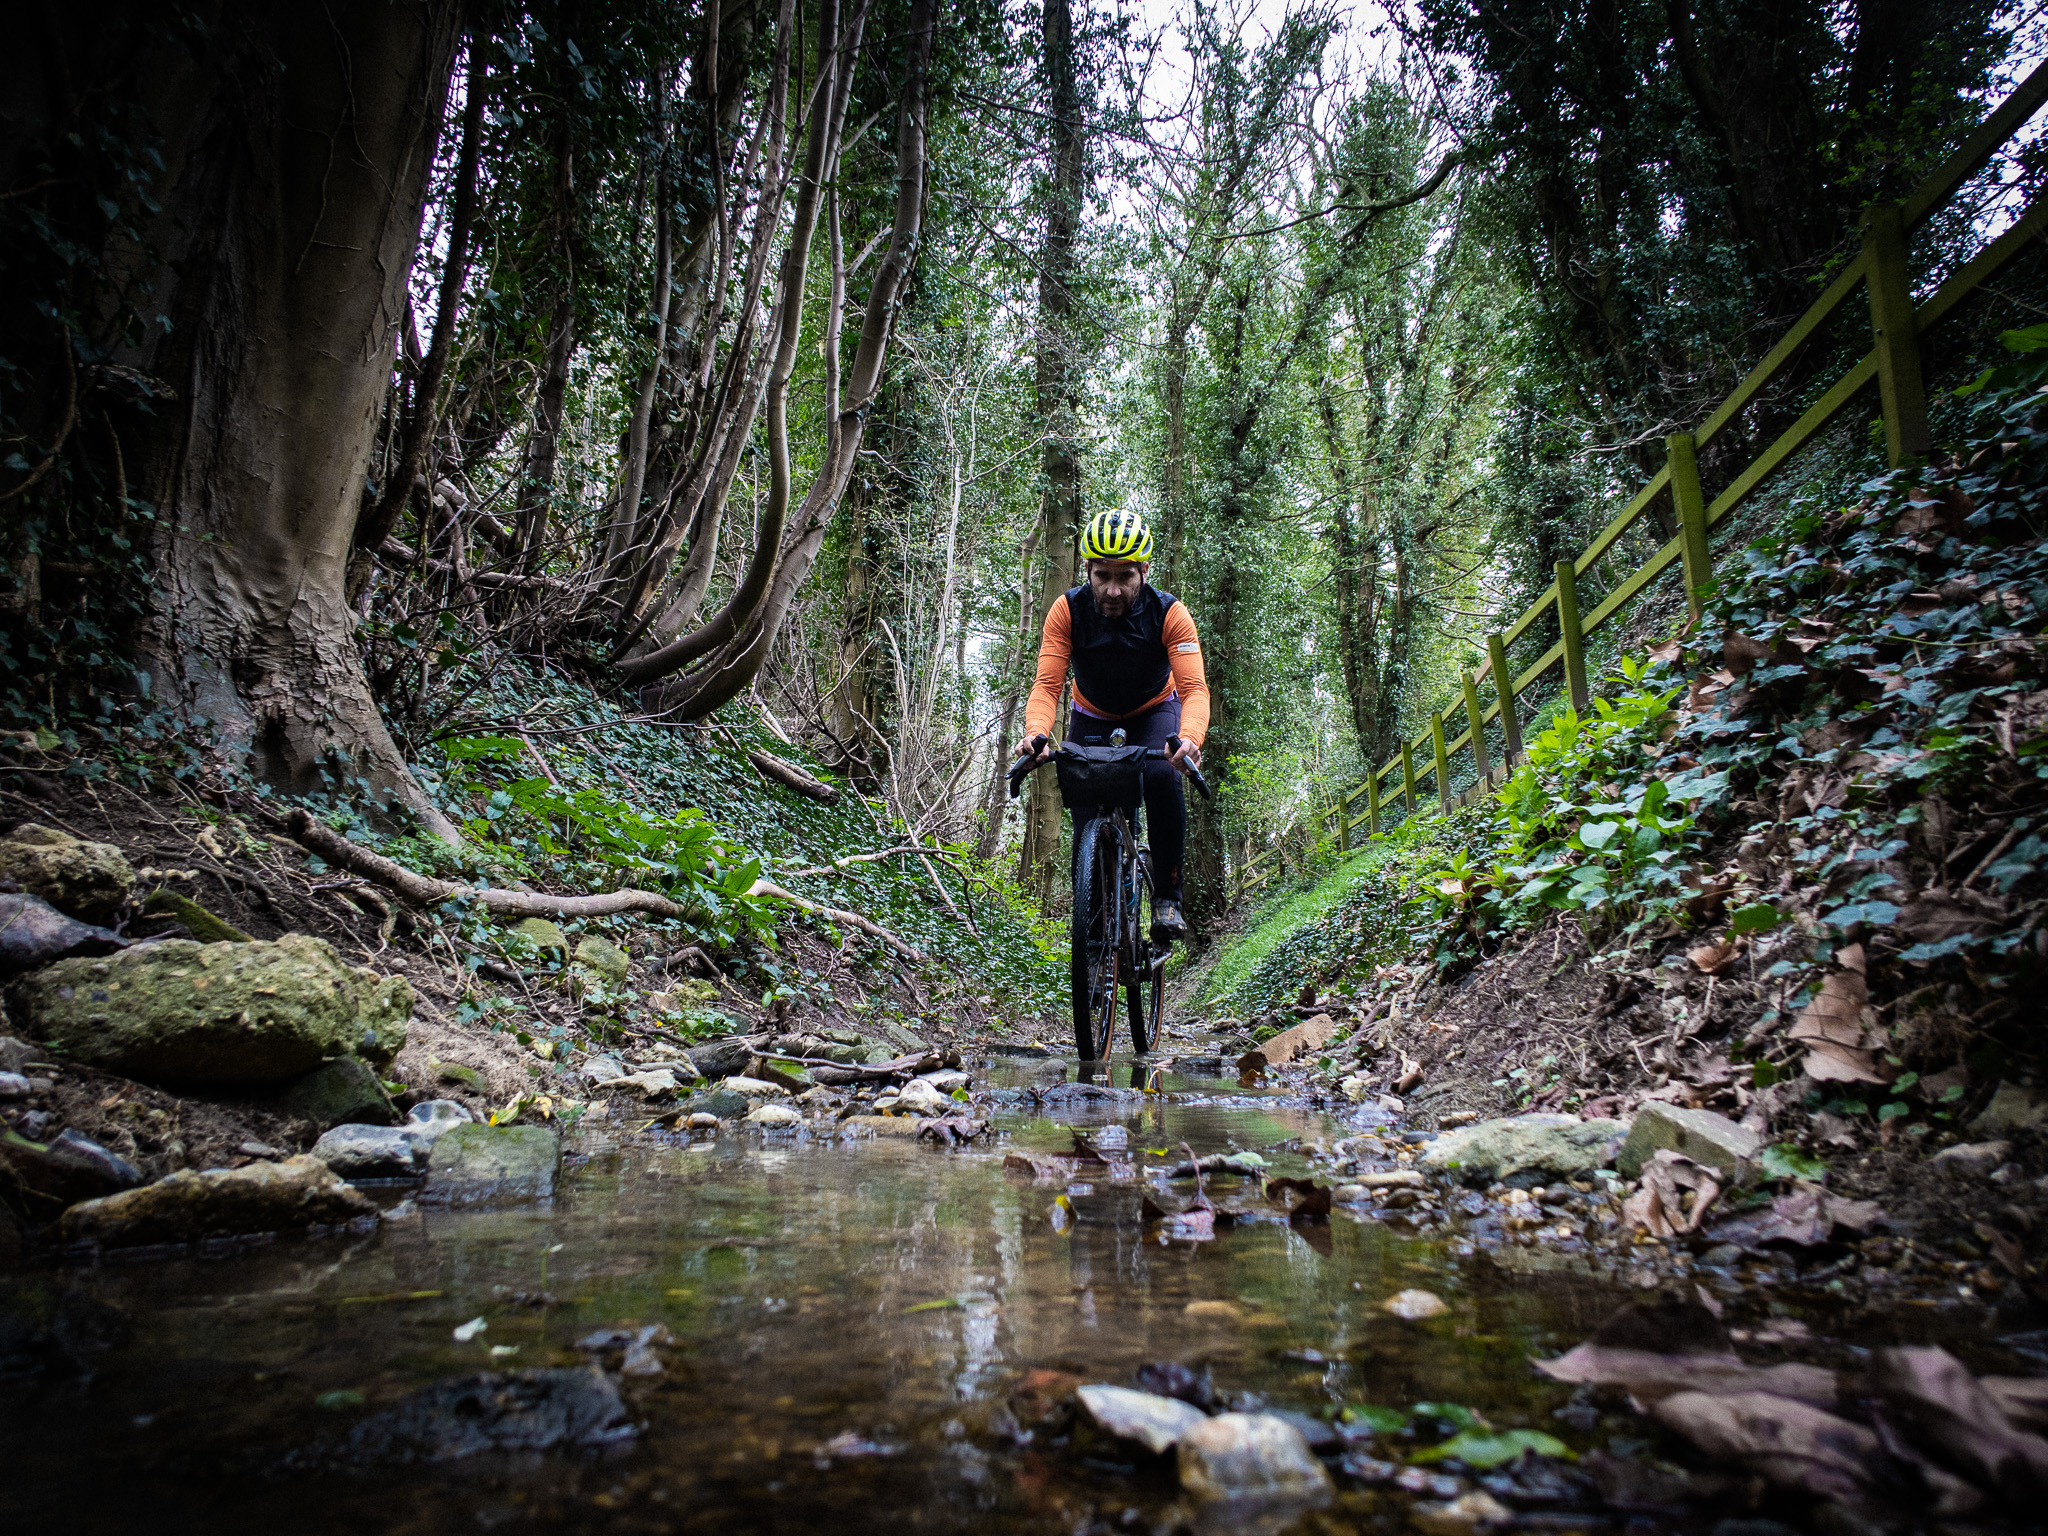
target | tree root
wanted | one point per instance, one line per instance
(840, 915)
(792, 777)
(423, 891)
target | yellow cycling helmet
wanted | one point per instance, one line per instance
(1116, 536)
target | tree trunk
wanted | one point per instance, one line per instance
(1058, 402)
(290, 220)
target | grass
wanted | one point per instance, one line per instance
(1281, 918)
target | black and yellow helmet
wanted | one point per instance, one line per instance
(1116, 536)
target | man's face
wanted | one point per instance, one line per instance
(1114, 585)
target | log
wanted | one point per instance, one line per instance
(792, 777)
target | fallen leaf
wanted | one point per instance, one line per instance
(1804, 1218)
(1674, 1196)
(1713, 959)
(1959, 1422)
(1483, 1450)
(1831, 1027)
(1653, 1349)
(1787, 1442)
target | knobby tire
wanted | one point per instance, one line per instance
(1092, 973)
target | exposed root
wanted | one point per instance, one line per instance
(839, 915)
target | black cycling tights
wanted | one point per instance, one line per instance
(1166, 810)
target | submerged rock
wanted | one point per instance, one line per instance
(1251, 1456)
(87, 880)
(225, 1202)
(569, 1409)
(33, 934)
(1155, 1422)
(1528, 1149)
(1711, 1140)
(179, 1011)
(341, 1092)
(492, 1162)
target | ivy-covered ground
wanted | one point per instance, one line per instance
(1793, 867)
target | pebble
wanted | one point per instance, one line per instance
(1250, 1455)
(701, 1121)
(1154, 1422)
(1414, 1306)
(13, 1086)
(1978, 1157)
(1469, 1512)
(751, 1087)
(775, 1117)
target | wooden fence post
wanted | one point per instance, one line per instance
(1504, 688)
(1443, 760)
(1574, 640)
(1480, 759)
(1898, 345)
(1372, 799)
(1691, 502)
(1408, 773)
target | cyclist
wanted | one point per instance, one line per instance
(1137, 664)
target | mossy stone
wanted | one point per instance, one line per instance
(341, 1092)
(87, 880)
(492, 1162)
(543, 934)
(180, 1011)
(603, 959)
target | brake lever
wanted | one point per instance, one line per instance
(1173, 745)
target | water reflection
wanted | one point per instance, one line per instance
(830, 1303)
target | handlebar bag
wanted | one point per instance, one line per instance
(1100, 776)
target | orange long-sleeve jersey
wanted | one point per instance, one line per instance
(1183, 649)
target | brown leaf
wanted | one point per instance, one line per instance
(1788, 1443)
(1651, 1350)
(1935, 915)
(2023, 1399)
(1669, 651)
(1674, 1196)
(1959, 1422)
(1831, 1027)
(1806, 1217)
(1713, 959)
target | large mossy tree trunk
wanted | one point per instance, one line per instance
(266, 290)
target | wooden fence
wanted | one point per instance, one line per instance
(1893, 363)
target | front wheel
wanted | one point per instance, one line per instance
(1092, 974)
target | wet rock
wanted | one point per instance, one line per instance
(369, 1152)
(702, 1120)
(720, 1103)
(945, 1081)
(474, 1163)
(882, 1125)
(920, 1097)
(1393, 1178)
(87, 880)
(180, 1011)
(753, 1088)
(1350, 1194)
(14, 1086)
(544, 935)
(1251, 1456)
(1169, 1378)
(775, 1117)
(721, 1058)
(601, 1069)
(15, 1055)
(604, 960)
(427, 1123)
(574, 1408)
(2012, 1108)
(659, 1083)
(1977, 1157)
(1525, 1149)
(224, 1202)
(1468, 1512)
(40, 1180)
(1711, 1140)
(341, 1092)
(33, 934)
(1154, 1422)
(1415, 1306)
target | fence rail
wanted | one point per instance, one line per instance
(1893, 363)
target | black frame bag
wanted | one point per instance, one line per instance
(1100, 776)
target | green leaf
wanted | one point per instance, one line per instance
(1892, 1111)
(1760, 917)
(1384, 1421)
(2030, 338)
(1785, 1161)
(1483, 1450)
(1598, 834)
(1456, 1415)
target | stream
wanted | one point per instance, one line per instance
(838, 1328)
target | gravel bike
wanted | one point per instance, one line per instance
(1112, 879)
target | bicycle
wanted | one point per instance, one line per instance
(1112, 878)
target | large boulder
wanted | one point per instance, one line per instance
(1526, 1149)
(1711, 1140)
(474, 1163)
(179, 1011)
(224, 1202)
(33, 934)
(88, 880)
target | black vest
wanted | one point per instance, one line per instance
(1120, 664)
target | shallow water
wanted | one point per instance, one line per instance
(879, 1290)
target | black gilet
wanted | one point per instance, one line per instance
(1120, 665)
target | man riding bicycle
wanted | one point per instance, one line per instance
(1137, 665)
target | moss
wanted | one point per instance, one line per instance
(199, 922)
